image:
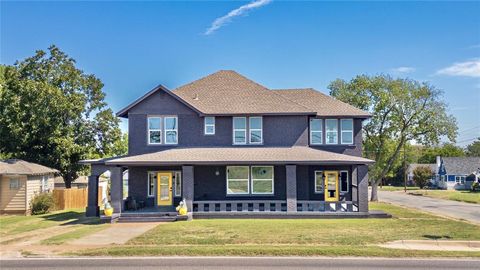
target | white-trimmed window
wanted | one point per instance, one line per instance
(319, 182)
(344, 181)
(209, 125)
(255, 130)
(331, 131)
(460, 179)
(14, 183)
(177, 182)
(262, 179)
(152, 179)
(44, 184)
(346, 131)
(442, 177)
(238, 180)
(239, 130)
(154, 130)
(171, 130)
(316, 131)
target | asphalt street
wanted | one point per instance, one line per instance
(214, 263)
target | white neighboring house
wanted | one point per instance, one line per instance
(457, 172)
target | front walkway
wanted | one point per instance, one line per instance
(458, 210)
(118, 233)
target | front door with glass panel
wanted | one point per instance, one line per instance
(331, 186)
(164, 188)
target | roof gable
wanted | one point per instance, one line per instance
(124, 112)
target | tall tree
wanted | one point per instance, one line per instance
(473, 149)
(53, 113)
(429, 154)
(402, 110)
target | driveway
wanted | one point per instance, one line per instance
(453, 209)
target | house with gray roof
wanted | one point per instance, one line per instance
(20, 181)
(454, 172)
(230, 147)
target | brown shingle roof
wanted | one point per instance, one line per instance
(322, 104)
(240, 155)
(18, 166)
(227, 92)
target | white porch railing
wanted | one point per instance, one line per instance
(272, 206)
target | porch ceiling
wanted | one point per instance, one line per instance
(239, 155)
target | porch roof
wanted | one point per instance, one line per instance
(239, 155)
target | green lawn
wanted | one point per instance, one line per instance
(15, 225)
(396, 188)
(302, 237)
(454, 195)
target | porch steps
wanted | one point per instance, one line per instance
(149, 217)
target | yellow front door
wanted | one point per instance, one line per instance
(331, 186)
(164, 188)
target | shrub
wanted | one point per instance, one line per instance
(42, 203)
(475, 187)
(422, 176)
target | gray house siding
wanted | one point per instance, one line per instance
(209, 187)
(306, 183)
(291, 130)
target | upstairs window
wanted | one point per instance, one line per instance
(316, 131)
(171, 130)
(209, 123)
(331, 126)
(154, 130)
(346, 127)
(255, 130)
(239, 130)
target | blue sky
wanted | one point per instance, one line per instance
(133, 46)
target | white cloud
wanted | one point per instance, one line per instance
(476, 46)
(403, 70)
(470, 68)
(221, 21)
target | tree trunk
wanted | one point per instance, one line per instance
(374, 195)
(68, 181)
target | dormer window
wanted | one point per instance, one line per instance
(209, 125)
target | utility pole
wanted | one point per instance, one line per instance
(404, 169)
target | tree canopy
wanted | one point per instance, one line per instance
(54, 114)
(473, 149)
(402, 110)
(429, 154)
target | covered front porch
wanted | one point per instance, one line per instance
(235, 188)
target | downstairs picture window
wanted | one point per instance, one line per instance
(152, 178)
(319, 181)
(262, 180)
(344, 181)
(237, 180)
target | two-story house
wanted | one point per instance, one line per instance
(230, 146)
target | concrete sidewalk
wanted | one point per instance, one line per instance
(444, 245)
(458, 210)
(118, 233)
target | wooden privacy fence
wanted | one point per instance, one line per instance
(73, 198)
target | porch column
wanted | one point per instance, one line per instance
(92, 207)
(362, 179)
(187, 186)
(291, 188)
(116, 189)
